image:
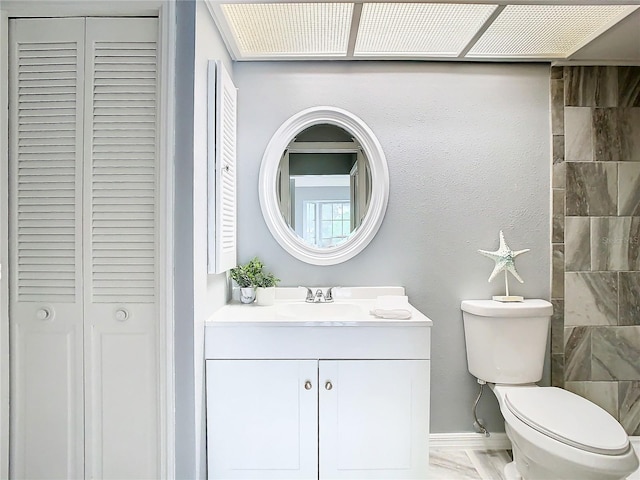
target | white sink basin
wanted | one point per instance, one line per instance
(322, 311)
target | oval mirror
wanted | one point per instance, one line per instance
(324, 185)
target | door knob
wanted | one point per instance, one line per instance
(308, 385)
(122, 314)
(44, 314)
(328, 385)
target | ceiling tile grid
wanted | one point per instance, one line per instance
(432, 29)
(468, 29)
(553, 31)
(290, 29)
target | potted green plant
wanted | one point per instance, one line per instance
(266, 288)
(255, 282)
(245, 277)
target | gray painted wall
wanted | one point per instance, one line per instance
(197, 294)
(183, 243)
(210, 291)
(468, 148)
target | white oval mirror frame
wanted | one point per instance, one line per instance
(269, 204)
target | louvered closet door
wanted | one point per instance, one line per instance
(45, 248)
(120, 269)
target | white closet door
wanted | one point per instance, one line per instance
(45, 248)
(120, 249)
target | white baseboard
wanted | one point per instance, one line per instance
(477, 441)
(469, 441)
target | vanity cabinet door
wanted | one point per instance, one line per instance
(374, 419)
(262, 419)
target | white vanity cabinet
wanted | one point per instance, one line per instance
(374, 419)
(295, 399)
(272, 419)
(261, 421)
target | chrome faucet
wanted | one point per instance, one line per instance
(319, 296)
(329, 296)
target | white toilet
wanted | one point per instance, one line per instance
(555, 434)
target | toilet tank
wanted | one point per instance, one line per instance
(506, 342)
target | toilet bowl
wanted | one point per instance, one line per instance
(557, 435)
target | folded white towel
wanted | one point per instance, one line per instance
(392, 306)
(395, 313)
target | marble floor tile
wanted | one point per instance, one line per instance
(490, 463)
(448, 464)
(451, 465)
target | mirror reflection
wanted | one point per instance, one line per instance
(324, 185)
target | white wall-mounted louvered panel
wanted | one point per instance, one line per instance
(122, 176)
(222, 204)
(45, 170)
(45, 247)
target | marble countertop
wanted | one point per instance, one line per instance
(352, 307)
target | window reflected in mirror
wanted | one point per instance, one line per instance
(324, 185)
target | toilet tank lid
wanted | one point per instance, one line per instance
(530, 307)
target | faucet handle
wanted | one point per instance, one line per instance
(309, 294)
(329, 295)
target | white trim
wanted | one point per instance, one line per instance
(166, 150)
(165, 10)
(477, 441)
(4, 249)
(469, 441)
(223, 26)
(269, 202)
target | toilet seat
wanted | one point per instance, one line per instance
(568, 418)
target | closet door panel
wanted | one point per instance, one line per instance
(45, 156)
(122, 438)
(120, 267)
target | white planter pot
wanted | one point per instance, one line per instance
(265, 295)
(247, 294)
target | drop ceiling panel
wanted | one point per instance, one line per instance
(289, 29)
(545, 31)
(418, 29)
(493, 30)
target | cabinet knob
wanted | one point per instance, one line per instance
(122, 314)
(308, 385)
(44, 314)
(328, 385)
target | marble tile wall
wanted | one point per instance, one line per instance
(595, 331)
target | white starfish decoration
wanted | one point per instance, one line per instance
(504, 257)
